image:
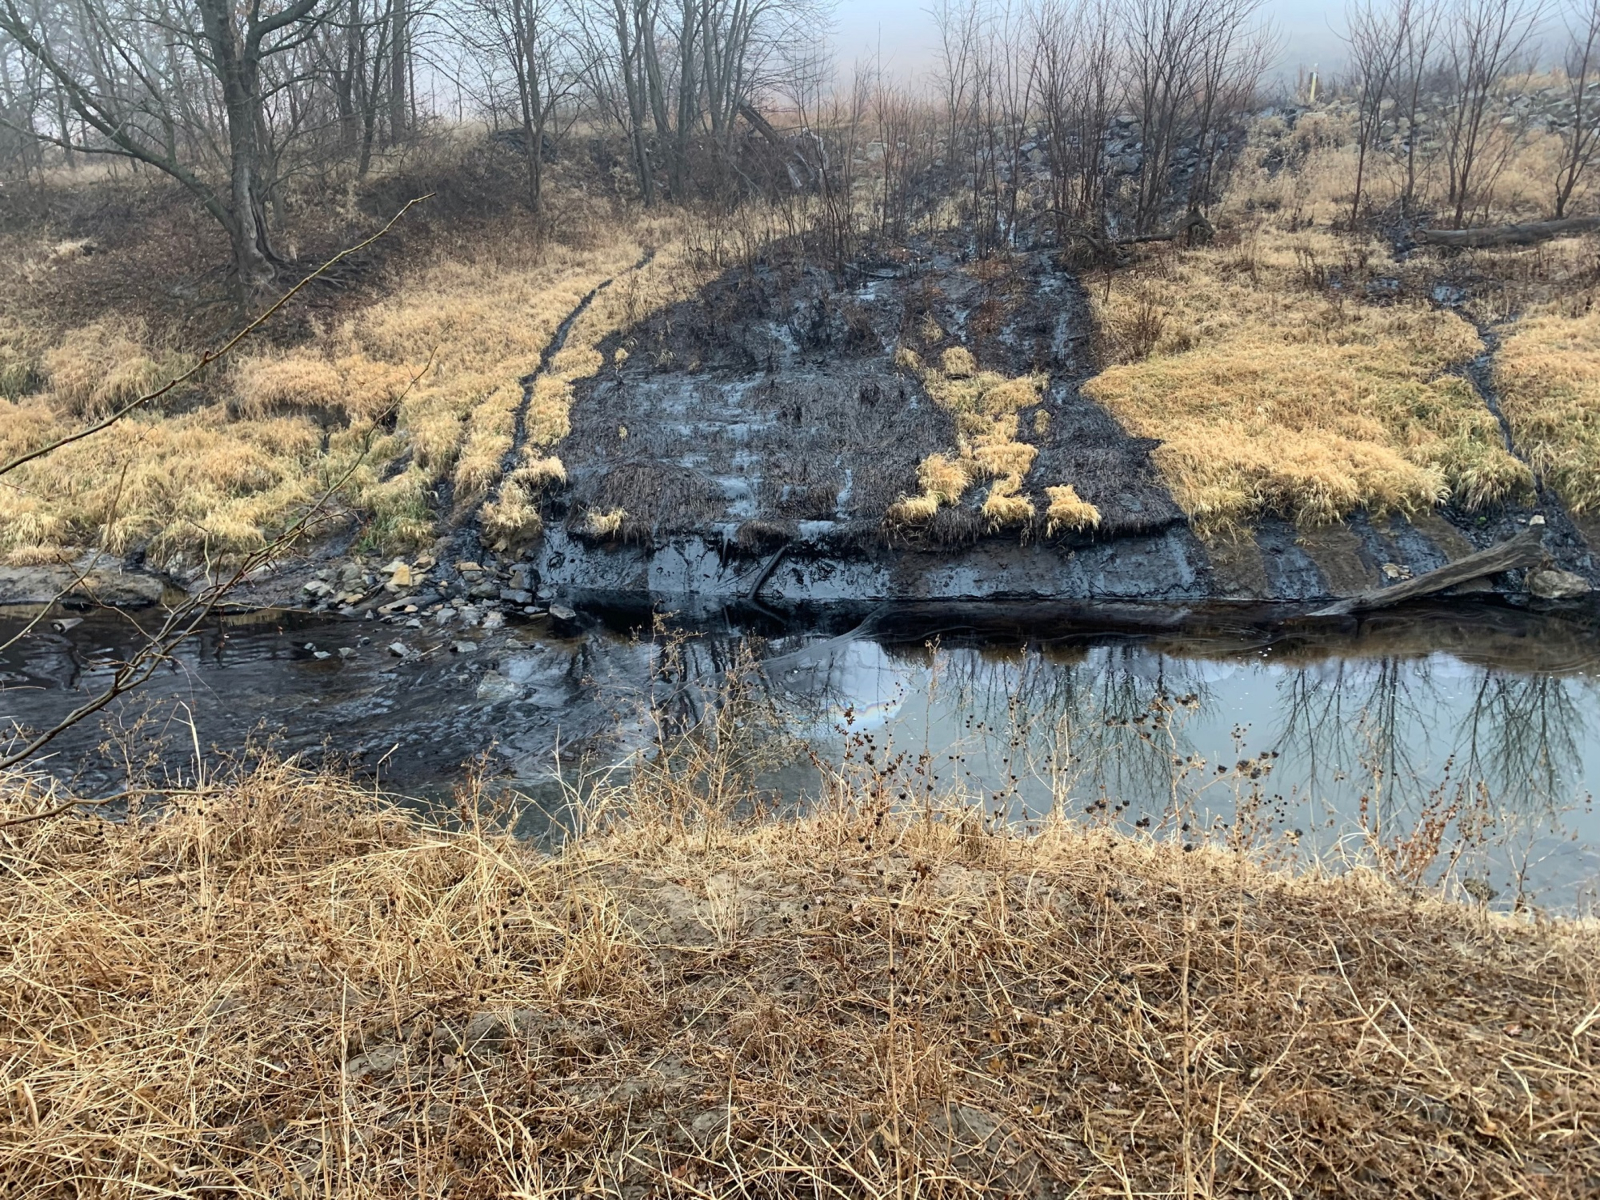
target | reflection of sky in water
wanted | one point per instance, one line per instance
(1072, 724)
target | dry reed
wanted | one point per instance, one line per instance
(280, 985)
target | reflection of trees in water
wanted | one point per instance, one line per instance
(1523, 735)
(1379, 721)
(1074, 721)
(1356, 718)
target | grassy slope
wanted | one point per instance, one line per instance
(416, 389)
(280, 985)
(1548, 373)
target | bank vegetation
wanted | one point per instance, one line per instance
(279, 983)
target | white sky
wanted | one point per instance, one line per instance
(904, 29)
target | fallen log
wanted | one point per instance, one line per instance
(1524, 550)
(1195, 229)
(1508, 235)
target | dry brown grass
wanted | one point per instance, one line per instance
(282, 986)
(1068, 511)
(1548, 375)
(1271, 394)
(425, 380)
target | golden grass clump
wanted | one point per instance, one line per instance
(986, 405)
(511, 517)
(20, 368)
(1002, 507)
(1548, 376)
(280, 984)
(1068, 512)
(603, 526)
(1270, 396)
(350, 386)
(102, 366)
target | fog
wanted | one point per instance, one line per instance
(904, 32)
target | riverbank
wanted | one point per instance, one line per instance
(279, 983)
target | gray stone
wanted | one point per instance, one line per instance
(495, 688)
(1553, 584)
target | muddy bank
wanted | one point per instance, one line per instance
(750, 444)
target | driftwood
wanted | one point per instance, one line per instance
(1194, 229)
(1508, 235)
(1524, 550)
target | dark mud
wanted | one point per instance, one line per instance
(756, 436)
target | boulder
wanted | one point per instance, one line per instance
(1553, 584)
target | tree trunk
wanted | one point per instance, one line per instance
(399, 73)
(238, 71)
(1508, 235)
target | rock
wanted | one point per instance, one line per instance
(347, 652)
(518, 596)
(378, 1063)
(495, 688)
(1553, 584)
(399, 650)
(317, 587)
(563, 618)
(401, 577)
(470, 569)
(494, 620)
(1536, 519)
(320, 654)
(484, 591)
(463, 647)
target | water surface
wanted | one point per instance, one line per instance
(1325, 740)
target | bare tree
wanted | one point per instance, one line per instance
(526, 48)
(153, 82)
(1191, 64)
(1484, 42)
(1076, 49)
(1417, 33)
(1375, 37)
(1583, 58)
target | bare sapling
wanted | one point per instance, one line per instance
(1376, 40)
(1485, 41)
(1583, 59)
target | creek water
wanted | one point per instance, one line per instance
(1478, 729)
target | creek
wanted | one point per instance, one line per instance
(1474, 727)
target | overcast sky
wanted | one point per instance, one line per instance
(906, 32)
